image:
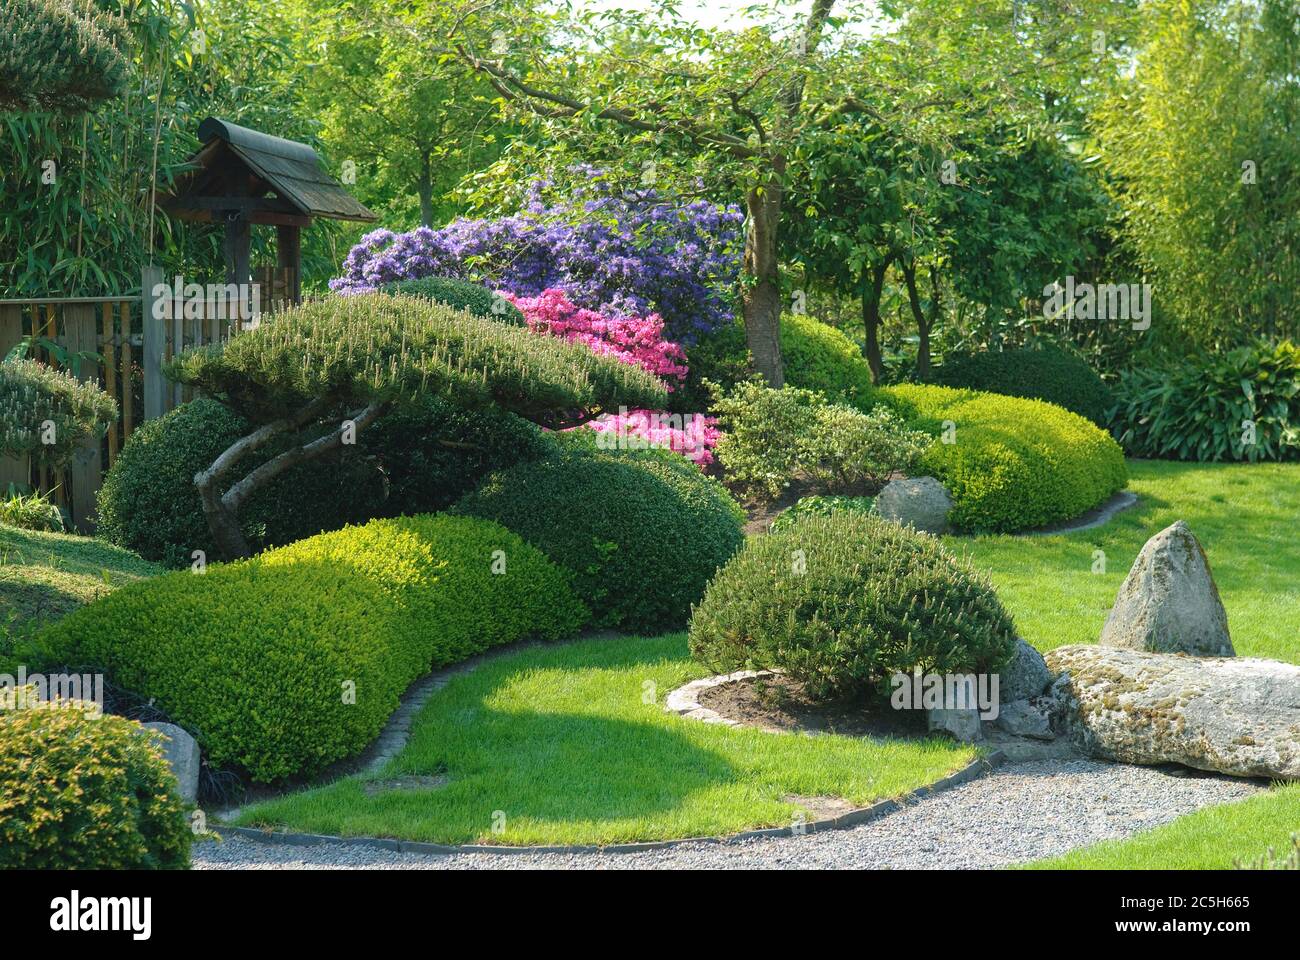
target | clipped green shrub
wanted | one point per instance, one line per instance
(45, 414)
(148, 502)
(1012, 463)
(641, 535)
(842, 602)
(366, 348)
(1048, 374)
(820, 505)
(85, 792)
(771, 438)
(289, 661)
(432, 452)
(461, 294)
(816, 357)
(1242, 405)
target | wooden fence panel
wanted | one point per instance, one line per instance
(15, 470)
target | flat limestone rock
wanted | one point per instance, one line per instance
(1239, 716)
(1169, 602)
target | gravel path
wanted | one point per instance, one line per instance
(1016, 813)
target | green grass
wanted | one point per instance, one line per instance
(1246, 516)
(562, 741)
(44, 576)
(1215, 838)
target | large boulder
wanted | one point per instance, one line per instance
(1025, 676)
(1233, 716)
(919, 502)
(1169, 603)
(181, 752)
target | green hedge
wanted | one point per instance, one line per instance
(260, 659)
(1048, 374)
(461, 294)
(1205, 409)
(843, 601)
(1015, 463)
(642, 535)
(85, 792)
(816, 355)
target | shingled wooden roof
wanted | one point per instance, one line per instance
(241, 166)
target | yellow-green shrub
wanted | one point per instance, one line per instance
(1014, 463)
(282, 664)
(80, 792)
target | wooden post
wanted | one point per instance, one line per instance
(128, 384)
(86, 467)
(15, 470)
(110, 375)
(288, 255)
(155, 338)
(238, 244)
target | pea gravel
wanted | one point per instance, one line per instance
(1017, 813)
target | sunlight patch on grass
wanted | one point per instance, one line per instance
(571, 745)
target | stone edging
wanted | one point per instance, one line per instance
(1098, 515)
(685, 700)
(973, 770)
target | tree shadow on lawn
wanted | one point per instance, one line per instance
(35, 601)
(542, 769)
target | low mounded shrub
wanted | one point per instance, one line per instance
(1048, 374)
(770, 438)
(1012, 463)
(642, 534)
(282, 664)
(461, 294)
(1213, 408)
(148, 502)
(842, 602)
(85, 792)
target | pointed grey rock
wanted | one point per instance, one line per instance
(1169, 602)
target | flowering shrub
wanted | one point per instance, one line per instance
(637, 340)
(624, 254)
(693, 435)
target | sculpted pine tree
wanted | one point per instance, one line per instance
(314, 377)
(59, 55)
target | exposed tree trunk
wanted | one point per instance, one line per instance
(873, 287)
(924, 323)
(425, 187)
(222, 509)
(761, 295)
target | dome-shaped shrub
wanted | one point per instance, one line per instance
(148, 502)
(289, 661)
(842, 602)
(1048, 374)
(85, 792)
(461, 294)
(1011, 463)
(642, 535)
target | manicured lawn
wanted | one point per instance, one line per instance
(561, 741)
(1247, 517)
(44, 576)
(1215, 838)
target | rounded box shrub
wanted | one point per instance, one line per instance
(1048, 374)
(842, 602)
(815, 355)
(1013, 463)
(85, 792)
(148, 502)
(461, 294)
(289, 661)
(642, 535)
